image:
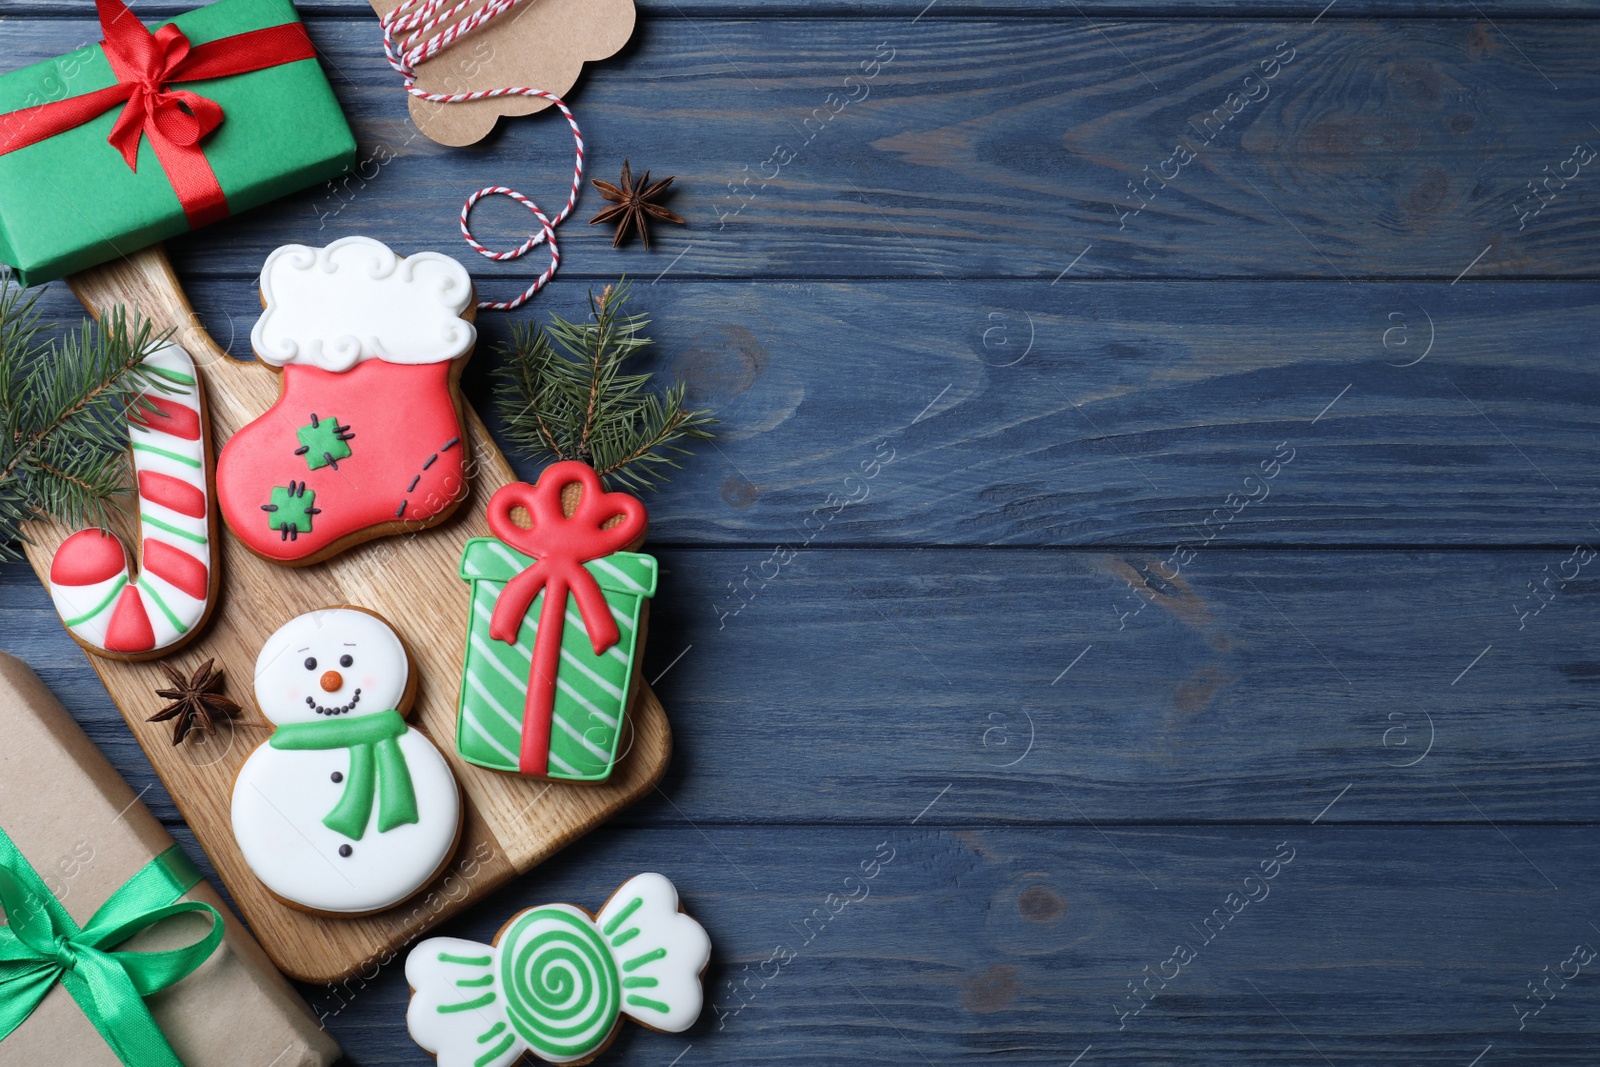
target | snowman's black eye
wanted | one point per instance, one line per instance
(345, 660)
(311, 663)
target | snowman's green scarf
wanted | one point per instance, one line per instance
(377, 769)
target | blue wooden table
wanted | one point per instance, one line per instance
(1140, 607)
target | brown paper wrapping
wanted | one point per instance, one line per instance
(85, 832)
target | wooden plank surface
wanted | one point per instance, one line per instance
(1111, 413)
(1004, 148)
(1219, 697)
(987, 590)
(885, 10)
(1018, 945)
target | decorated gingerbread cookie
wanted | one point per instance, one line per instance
(346, 809)
(366, 437)
(110, 609)
(555, 627)
(556, 982)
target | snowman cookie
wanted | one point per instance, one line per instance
(367, 436)
(346, 809)
(557, 983)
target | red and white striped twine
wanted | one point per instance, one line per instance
(412, 22)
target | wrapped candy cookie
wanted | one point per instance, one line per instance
(557, 982)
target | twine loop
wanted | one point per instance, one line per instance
(409, 38)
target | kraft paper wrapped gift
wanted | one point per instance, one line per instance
(85, 833)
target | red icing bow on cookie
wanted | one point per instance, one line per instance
(561, 545)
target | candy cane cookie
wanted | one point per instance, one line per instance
(107, 608)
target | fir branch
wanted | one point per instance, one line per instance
(565, 396)
(63, 413)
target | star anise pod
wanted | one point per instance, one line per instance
(197, 702)
(634, 206)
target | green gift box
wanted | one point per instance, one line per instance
(214, 146)
(592, 690)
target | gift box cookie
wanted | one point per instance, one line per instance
(554, 630)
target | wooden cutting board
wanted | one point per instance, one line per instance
(511, 823)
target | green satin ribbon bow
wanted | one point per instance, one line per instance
(377, 769)
(42, 945)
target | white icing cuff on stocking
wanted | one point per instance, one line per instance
(355, 299)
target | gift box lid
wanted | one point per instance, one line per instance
(493, 560)
(70, 202)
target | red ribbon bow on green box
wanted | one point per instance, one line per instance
(176, 121)
(561, 546)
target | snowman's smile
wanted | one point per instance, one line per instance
(340, 710)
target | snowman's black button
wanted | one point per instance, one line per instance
(337, 777)
(345, 850)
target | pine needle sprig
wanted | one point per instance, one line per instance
(63, 413)
(566, 396)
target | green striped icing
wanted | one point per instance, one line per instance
(188, 461)
(476, 961)
(563, 995)
(155, 598)
(98, 608)
(169, 374)
(467, 1005)
(494, 1053)
(645, 1002)
(591, 691)
(649, 957)
(176, 531)
(622, 916)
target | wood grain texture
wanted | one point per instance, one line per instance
(999, 148)
(1106, 413)
(885, 10)
(1056, 688)
(828, 315)
(1018, 945)
(510, 823)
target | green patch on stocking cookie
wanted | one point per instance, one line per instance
(323, 443)
(291, 509)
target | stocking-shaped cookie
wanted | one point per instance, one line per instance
(366, 438)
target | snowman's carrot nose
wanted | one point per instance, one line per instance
(331, 681)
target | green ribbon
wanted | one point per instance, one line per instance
(42, 945)
(377, 769)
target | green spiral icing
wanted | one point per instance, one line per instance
(562, 989)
